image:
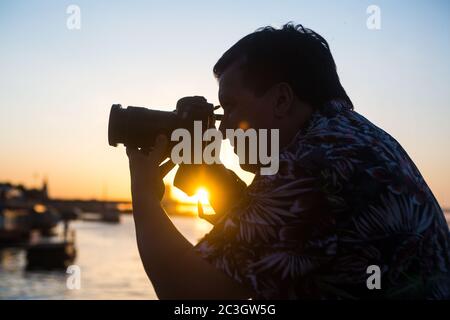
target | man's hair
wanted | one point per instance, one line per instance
(293, 54)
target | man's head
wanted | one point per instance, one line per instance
(275, 78)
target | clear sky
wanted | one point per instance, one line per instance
(57, 85)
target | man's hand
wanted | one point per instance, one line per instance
(174, 268)
(145, 173)
(225, 188)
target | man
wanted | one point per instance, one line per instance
(348, 215)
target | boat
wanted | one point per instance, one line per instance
(43, 253)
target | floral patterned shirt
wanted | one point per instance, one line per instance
(346, 197)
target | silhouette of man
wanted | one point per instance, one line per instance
(346, 197)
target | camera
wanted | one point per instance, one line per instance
(138, 126)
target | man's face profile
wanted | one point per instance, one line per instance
(243, 109)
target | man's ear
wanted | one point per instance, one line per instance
(283, 99)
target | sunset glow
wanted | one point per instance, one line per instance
(58, 85)
(202, 196)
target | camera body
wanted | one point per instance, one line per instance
(138, 126)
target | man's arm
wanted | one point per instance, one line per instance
(172, 265)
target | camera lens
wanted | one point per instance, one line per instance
(138, 127)
(117, 125)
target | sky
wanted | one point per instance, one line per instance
(57, 85)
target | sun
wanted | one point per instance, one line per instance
(202, 196)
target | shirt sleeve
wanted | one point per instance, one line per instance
(276, 237)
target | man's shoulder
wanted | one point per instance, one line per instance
(336, 133)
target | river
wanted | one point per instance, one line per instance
(108, 259)
(109, 262)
